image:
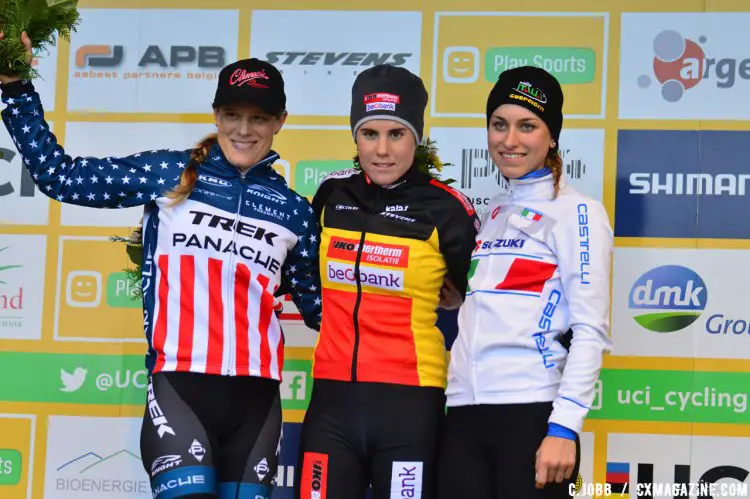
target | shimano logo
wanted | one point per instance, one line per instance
(267, 193)
(338, 58)
(396, 208)
(214, 180)
(164, 463)
(157, 416)
(689, 184)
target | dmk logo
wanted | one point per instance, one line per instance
(27, 183)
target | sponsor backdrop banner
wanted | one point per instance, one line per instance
(656, 123)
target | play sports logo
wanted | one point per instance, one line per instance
(466, 64)
(668, 298)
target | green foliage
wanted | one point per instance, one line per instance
(40, 19)
(134, 249)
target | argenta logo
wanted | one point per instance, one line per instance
(672, 297)
(99, 56)
(680, 64)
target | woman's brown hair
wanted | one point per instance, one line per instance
(190, 174)
(554, 162)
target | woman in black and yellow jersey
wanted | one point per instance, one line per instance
(392, 237)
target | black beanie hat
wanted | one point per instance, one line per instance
(390, 92)
(253, 81)
(533, 88)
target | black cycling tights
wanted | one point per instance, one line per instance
(489, 452)
(208, 436)
(360, 434)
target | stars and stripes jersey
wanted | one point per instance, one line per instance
(213, 265)
(540, 268)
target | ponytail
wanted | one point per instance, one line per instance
(554, 162)
(190, 174)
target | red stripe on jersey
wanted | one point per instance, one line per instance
(527, 275)
(160, 329)
(456, 194)
(264, 321)
(241, 285)
(215, 318)
(187, 313)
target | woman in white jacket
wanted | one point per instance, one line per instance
(534, 325)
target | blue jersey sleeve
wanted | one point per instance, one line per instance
(111, 182)
(301, 275)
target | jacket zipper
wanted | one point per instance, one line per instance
(355, 315)
(230, 343)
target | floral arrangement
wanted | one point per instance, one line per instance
(134, 249)
(40, 19)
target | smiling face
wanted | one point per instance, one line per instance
(245, 133)
(386, 150)
(461, 64)
(85, 288)
(518, 140)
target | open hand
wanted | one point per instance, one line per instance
(4, 78)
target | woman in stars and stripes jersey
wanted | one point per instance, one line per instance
(223, 236)
(535, 321)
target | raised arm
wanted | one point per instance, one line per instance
(87, 181)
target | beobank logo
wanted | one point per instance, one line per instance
(392, 280)
(680, 63)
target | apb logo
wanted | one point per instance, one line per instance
(672, 297)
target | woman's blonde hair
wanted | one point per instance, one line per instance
(189, 175)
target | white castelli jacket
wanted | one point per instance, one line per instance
(541, 266)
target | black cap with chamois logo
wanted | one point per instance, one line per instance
(252, 81)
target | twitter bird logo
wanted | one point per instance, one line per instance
(72, 382)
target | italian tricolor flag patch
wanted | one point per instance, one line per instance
(531, 214)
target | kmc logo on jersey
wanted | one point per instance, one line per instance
(668, 298)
